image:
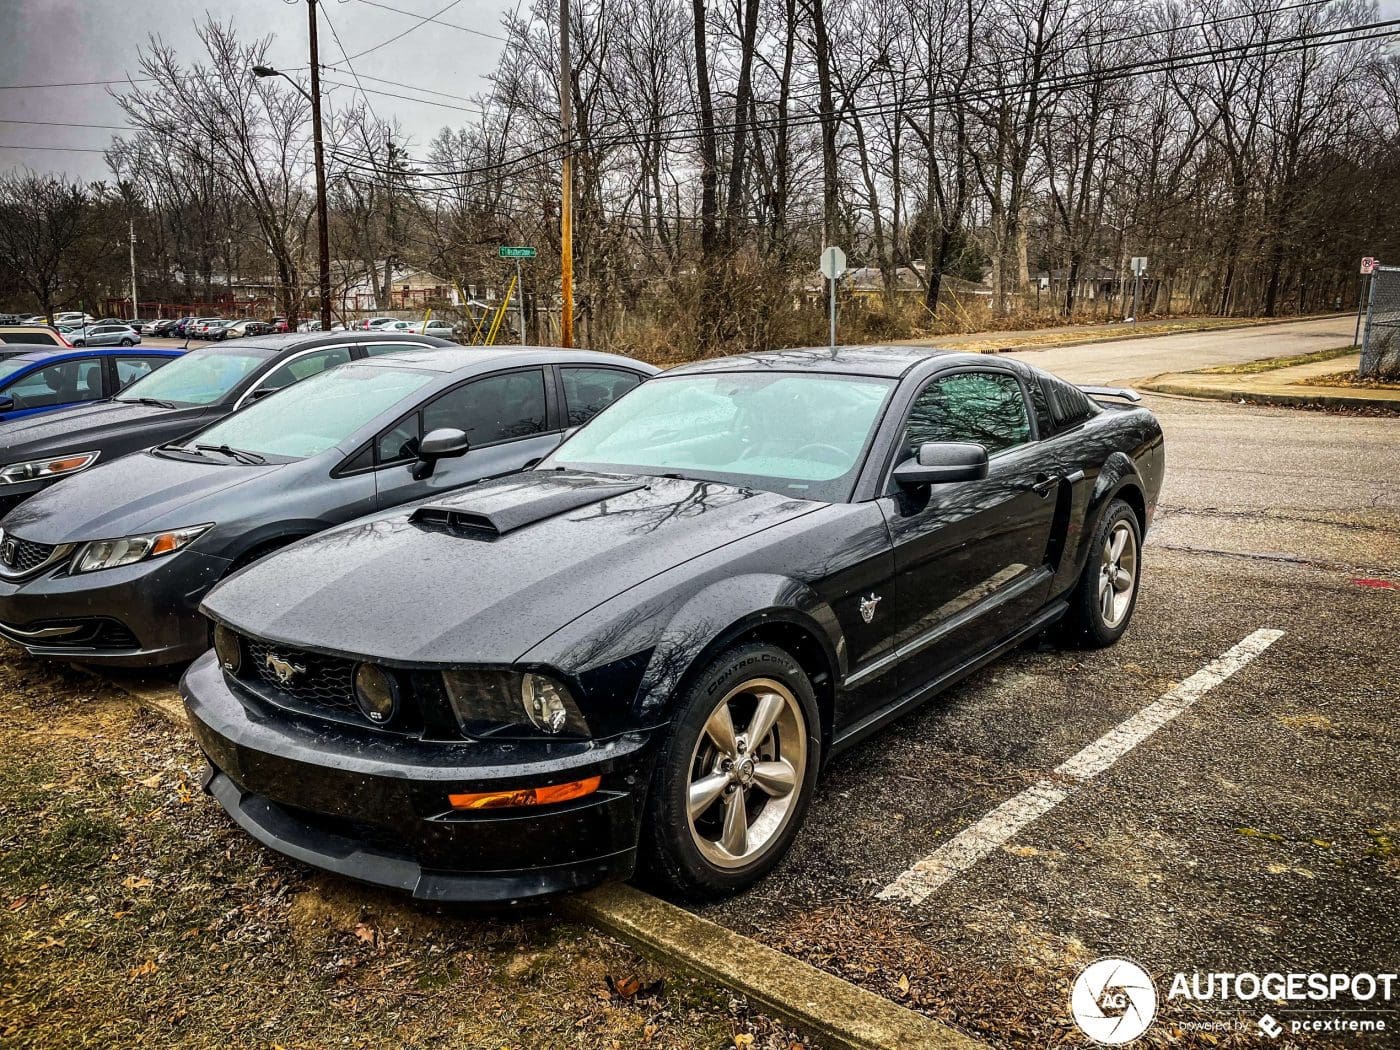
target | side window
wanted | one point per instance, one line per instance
(398, 443)
(130, 369)
(60, 384)
(985, 408)
(497, 408)
(304, 367)
(1044, 422)
(376, 349)
(34, 336)
(587, 391)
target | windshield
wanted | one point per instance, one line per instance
(309, 417)
(795, 433)
(200, 377)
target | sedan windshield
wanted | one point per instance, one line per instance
(794, 433)
(200, 377)
(309, 417)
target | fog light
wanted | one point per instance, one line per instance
(537, 796)
(376, 693)
(228, 649)
(545, 704)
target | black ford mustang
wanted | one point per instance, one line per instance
(645, 647)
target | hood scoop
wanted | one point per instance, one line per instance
(493, 512)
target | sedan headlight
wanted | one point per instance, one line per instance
(53, 467)
(109, 554)
(506, 703)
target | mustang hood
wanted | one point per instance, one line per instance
(483, 575)
(135, 494)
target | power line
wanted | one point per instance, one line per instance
(434, 18)
(422, 21)
(346, 55)
(50, 149)
(60, 124)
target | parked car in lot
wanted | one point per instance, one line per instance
(181, 328)
(441, 329)
(315, 326)
(134, 545)
(43, 380)
(104, 335)
(370, 324)
(204, 385)
(34, 335)
(204, 327)
(279, 324)
(246, 326)
(74, 317)
(160, 327)
(645, 647)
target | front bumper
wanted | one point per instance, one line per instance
(141, 615)
(373, 806)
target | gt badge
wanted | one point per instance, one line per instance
(282, 670)
(867, 607)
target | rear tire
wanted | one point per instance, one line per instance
(722, 808)
(1102, 602)
(127, 342)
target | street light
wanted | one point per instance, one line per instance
(314, 97)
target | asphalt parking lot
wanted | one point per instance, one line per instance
(1255, 832)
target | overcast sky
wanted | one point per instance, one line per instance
(50, 41)
(81, 40)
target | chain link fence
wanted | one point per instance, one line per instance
(1380, 346)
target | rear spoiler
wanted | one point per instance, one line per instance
(1112, 391)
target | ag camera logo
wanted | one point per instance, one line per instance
(1113, 1001)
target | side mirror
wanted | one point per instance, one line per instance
(7, 403)
(569, 433)
(443, 443)
(262, 392)
(942, 462)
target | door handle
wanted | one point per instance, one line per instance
(1044, 484)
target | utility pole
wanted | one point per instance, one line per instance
(131, 233)
(323, 235)
(566, 190)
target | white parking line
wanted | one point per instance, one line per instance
(1000, 825)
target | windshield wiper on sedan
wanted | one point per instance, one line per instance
(158, 402)
(240, 454)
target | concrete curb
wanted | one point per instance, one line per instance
(839, 1013)
(1305, 398)
(836, 1011)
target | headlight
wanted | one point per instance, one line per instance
(52, 467)
(109, 554)
(376, 693)
(228, 648)
(506, 703)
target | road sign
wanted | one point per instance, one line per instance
(1139, 264)
(519, 252)
(1368, 266)
(833, 263)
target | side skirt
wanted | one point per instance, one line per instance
(877, 720)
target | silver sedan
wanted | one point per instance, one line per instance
(104, 335)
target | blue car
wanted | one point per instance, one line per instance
(49, 378)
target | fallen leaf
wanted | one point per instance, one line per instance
(365, 932)
(144, 970)
(625, 988)
(903, 983)
(743, 1041)
(131, 882)
(152, 782)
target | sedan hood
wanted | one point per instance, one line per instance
(83, 427)
(136, 494)
(484, 575)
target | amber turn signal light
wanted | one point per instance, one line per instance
(537, 796)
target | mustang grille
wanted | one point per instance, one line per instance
(308, 679)
(21, 556)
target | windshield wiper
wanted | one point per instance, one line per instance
(240, 454)
(158, 402)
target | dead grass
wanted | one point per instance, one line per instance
(133, 912)
(1270, 364)
(1352, 380)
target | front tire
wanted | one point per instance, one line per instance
(734, 776)
(1102, 602)
(127, 342)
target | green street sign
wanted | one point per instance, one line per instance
(517, 253)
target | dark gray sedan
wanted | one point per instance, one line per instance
(110, 565)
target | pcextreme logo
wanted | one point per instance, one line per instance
(1113, 1001)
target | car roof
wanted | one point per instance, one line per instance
(887, 361)
(454, 358)
(285, 341)
(46, 354)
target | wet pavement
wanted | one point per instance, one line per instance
(1258, 831)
